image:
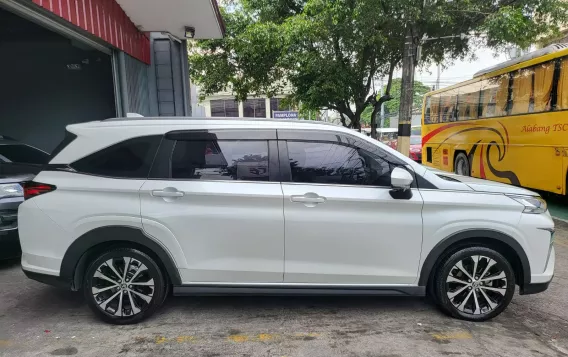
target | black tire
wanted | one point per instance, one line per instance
(479, 295)
(146, 299)
(461, 165)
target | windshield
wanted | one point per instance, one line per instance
(415, 140)
(21, 153)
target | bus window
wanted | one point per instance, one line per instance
(448, 105)
(435, 112)
(468, 101)
(427, 111)
(543, 76)
(522, 91)
(494, 95)
(562, 101)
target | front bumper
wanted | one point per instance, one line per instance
(9, 244)
(540, 282)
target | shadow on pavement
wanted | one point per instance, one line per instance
(9, 263)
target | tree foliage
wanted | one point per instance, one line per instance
(329, 51)
(392, 105)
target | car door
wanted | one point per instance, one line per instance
(342, 226)
(218, 193)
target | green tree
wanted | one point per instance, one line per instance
(329, 51)
(392, 105)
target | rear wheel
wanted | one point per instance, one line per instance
(124, 286)
(474, 284)
(461, 164)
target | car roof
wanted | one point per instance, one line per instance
(180, 121)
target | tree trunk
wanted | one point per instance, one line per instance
(384, 98)
(356, 122)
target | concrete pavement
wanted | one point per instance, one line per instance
(38, 320)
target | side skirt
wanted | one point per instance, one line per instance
(303, 289)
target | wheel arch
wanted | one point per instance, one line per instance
(79, 253)
(503, 243)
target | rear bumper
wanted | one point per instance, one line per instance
(48, 279)
(9, 244)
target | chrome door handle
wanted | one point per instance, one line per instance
(167, 193)
(304, 199)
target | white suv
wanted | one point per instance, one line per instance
(128, 209)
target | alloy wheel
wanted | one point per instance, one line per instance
(122, 287)
(476, 285)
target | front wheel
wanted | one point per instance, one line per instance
(124, 286)
(474, 284)
(461, 165)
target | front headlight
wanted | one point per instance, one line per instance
(533, 204)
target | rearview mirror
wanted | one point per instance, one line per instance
(401, 179)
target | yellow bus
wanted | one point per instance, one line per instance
(508, 124)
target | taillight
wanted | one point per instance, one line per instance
(32, 189)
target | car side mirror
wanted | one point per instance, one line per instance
(400, 182)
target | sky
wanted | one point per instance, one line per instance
(459, 71)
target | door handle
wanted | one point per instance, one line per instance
(309, 199)
(167, 193)
(304, 199)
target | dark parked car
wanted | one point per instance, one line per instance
(18, 163)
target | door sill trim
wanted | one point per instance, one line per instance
(299, 289)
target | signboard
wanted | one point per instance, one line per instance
(285, 115)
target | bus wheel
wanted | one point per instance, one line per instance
(461, 164)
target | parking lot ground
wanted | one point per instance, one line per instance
(39, 320)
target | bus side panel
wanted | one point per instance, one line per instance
(536, 167)
(565, 171)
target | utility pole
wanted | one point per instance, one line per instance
(407, 92)
(438, 77)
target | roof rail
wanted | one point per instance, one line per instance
(222, 119)
(543, 51)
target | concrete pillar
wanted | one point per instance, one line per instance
(267, 104)
(241, 110)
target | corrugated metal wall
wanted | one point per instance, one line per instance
(136, 78)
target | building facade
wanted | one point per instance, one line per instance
(223, 104)
(70, 61)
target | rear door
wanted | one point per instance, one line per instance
(218, 193)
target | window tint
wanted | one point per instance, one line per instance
(21, 153)
(468, 101)
(128, 159)
(220, 160)
(334, 163)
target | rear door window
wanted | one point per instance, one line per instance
(220, 160)
(128, 159)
